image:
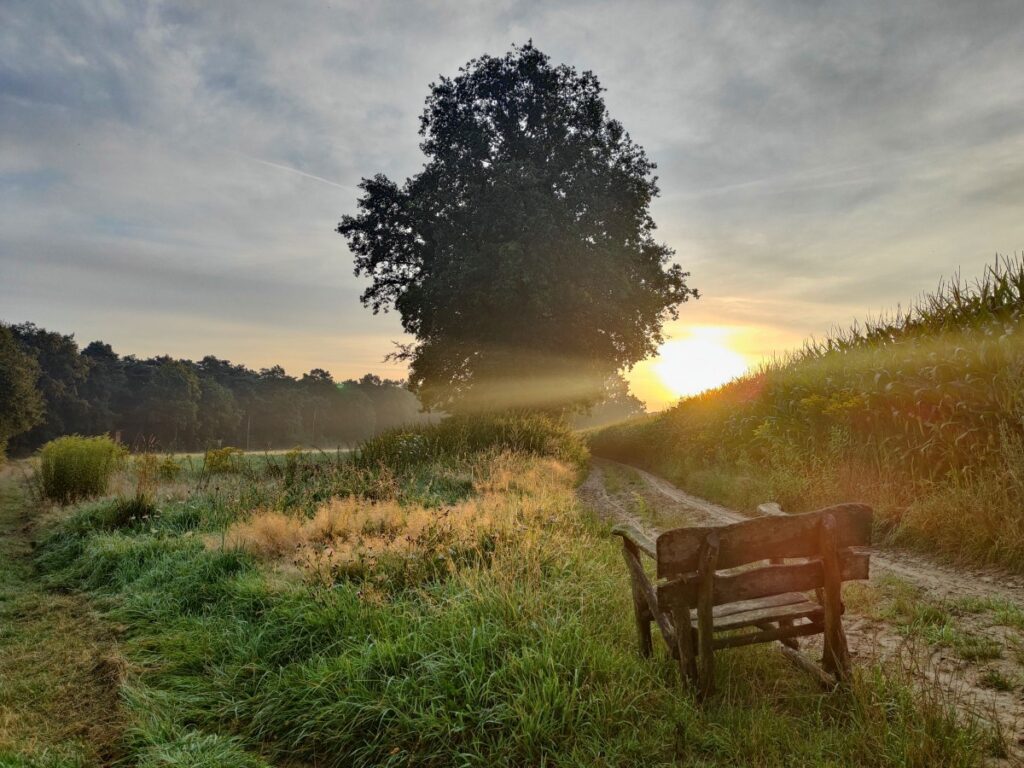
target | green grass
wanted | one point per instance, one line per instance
(917, 414)
(525, 655)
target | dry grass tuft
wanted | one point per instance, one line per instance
(511, 491)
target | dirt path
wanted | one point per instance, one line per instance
(960, 629)
(60, 672)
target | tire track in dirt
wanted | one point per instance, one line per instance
(665, 506)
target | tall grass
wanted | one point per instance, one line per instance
(75, 467)
(907, 411)
(467, 436)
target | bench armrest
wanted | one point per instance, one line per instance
(631, 533)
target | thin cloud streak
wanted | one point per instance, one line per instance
(279, 166)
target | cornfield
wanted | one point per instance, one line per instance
(917, 401)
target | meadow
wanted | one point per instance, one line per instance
(438, 597)
(920, 413)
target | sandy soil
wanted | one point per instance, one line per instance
(624, 493)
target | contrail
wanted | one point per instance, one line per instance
(288, 168)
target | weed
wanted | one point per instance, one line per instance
(218, 461)
(996, 680)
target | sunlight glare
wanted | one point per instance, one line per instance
(702, 361)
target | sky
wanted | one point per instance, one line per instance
(171, 173)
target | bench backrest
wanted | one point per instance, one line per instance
(768, 538)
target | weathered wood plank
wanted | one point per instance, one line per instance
(768, 635)
(630, 532)
(770, 613)
(762, 538)
(836, 658)
(769, 579)
(705, 614)
(641, 609)
(643, 585)
(764, 602)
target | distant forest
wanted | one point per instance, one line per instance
(169, 404)
(162, 403)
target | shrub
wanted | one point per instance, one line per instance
(76, 467)
(218, 461)
(168, 468)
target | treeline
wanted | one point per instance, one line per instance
(169, 404)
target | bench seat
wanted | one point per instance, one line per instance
(752, 613)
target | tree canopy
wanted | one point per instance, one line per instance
(21, 404)
(522, 257)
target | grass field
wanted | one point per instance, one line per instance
(447, 607)
(920, 414)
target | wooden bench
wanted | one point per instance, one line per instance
(708, 583)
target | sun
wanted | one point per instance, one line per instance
(703, 361)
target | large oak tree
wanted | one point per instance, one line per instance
(522, 257)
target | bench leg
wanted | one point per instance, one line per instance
(706, 657)
(705, 618)
(836, 656)
(643, 617)
(684, 643)
(836, 659)
(790, 642)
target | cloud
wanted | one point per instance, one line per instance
(173, 167)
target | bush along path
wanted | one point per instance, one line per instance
(960, 630)
(60, 671)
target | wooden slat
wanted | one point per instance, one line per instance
(771, 613)
(762, 538)
(768, 580)
(768, 635)
(764, 602)
(644, 542)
